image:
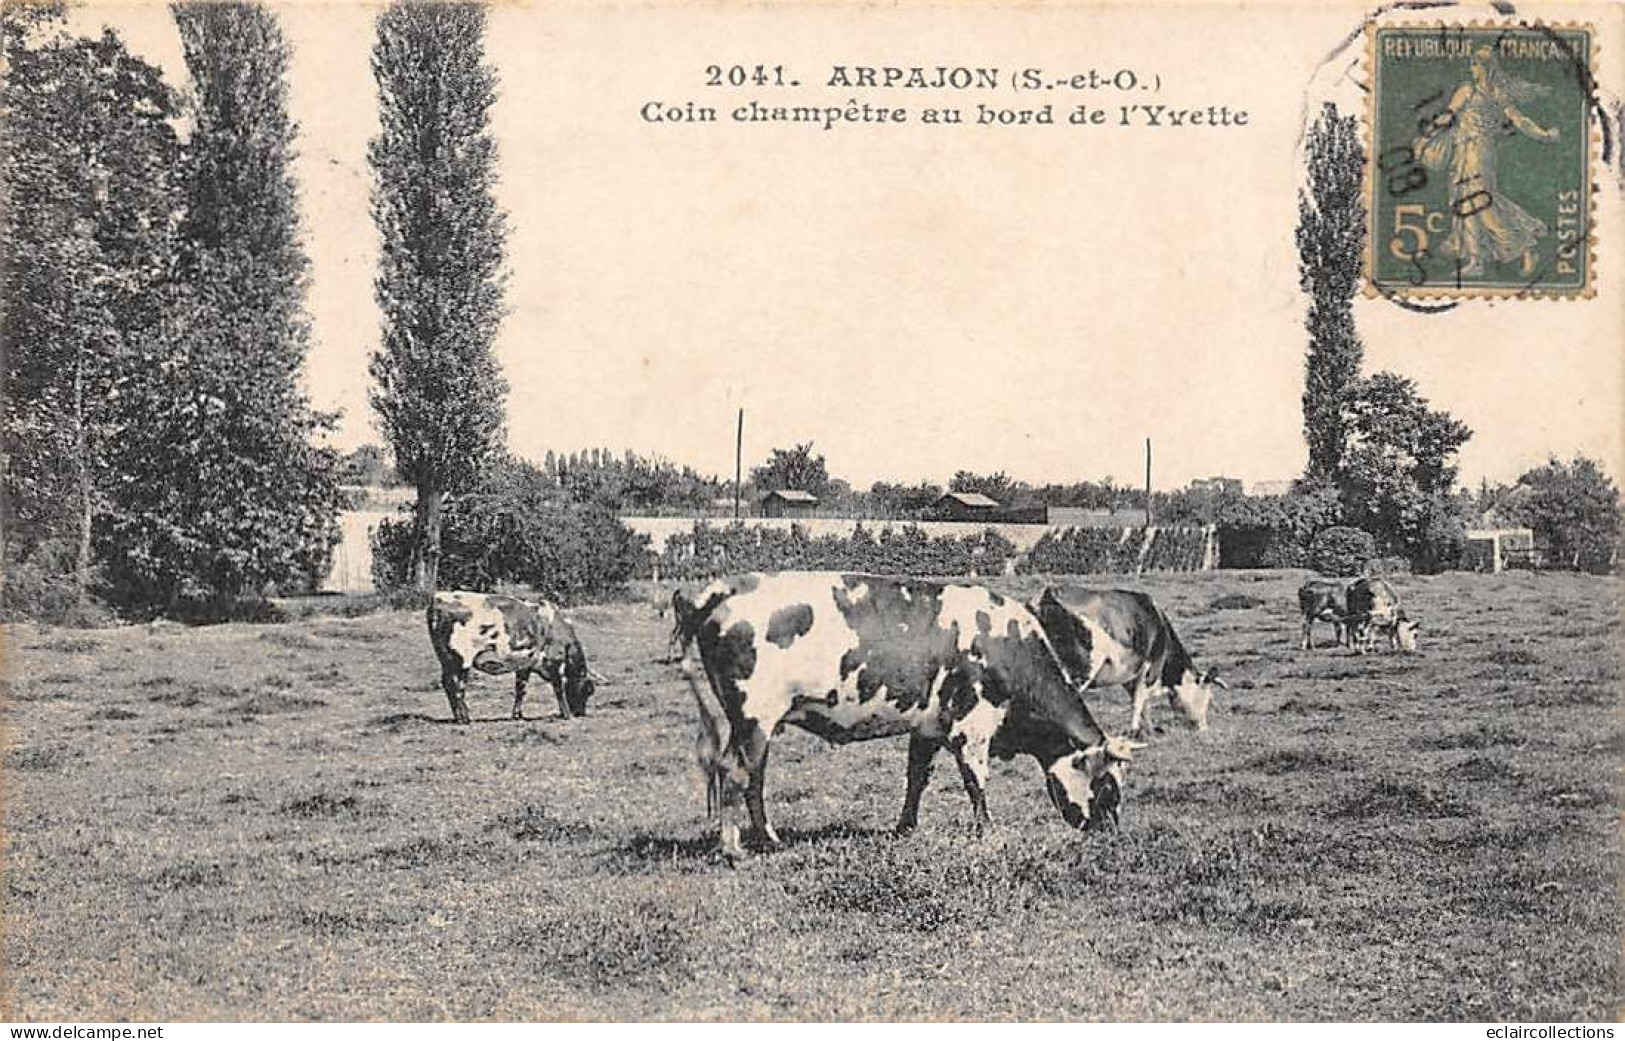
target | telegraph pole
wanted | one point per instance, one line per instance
(1148, 482)
(739, 455)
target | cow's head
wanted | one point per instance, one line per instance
(564, 665)
(1194, 694)
(1405, 631)
(1087, 786)
(577, 689)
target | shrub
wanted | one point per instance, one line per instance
(40, 587)
(1388, 566)
(1341, 551)
(1272, 530)
(1441, 545)
(255, 610)
(564, 552)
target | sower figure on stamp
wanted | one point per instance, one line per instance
(1487, 224)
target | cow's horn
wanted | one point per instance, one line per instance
(595, 676)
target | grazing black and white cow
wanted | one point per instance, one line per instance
(1116, 637)
(1373, 606)
(854, 657)
(500, 634)
(1324, 600)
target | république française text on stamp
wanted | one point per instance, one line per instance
(1479, 168)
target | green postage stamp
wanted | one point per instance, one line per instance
(1478, 176)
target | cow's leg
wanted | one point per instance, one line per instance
(970, 738)
(972, 759)
(1308, 642)
(921, 750)
(556, 680)
(753, 757)
(455, 683)
(1140, 721)
(520, 678)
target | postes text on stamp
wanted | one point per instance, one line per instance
(1478, 175)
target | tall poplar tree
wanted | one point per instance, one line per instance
(439, 394)
(223, 489)
(1331, 232)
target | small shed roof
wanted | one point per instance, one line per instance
(791, 495)
(974, 499)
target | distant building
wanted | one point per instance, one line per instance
(1270, 488)
(1496, 549)
(1222, 485)
(964, 506)
(788, 502)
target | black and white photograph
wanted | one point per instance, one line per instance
(711, 511)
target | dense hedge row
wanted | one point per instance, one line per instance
(1081, 551)
(905, 550)
(909, 550)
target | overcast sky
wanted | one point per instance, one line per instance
(916, 300)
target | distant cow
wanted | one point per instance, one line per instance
(1324, 600)
(854, 657)
(500, 634)
(1116, 637)
(1373, 606)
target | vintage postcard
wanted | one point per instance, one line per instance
(813, 511)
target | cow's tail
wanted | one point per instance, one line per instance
(711, 742)
(441, 623)
(712, 737)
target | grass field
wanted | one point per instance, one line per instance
(277, 822)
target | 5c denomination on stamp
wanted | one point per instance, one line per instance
(1479, 171)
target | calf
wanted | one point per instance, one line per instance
(1373, 606)
(1116, 637)
(855, 657)
(499, 634)
(1324, 600)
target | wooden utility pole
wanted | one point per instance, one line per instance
(739, 455)
(1148, 482)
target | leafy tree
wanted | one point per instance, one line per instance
(999, 486)
(1397, 467)
(1331, 230)
(792, 468)
(1341, 551)
(1102, 494)
(890, 499)
(513, 527)
(367, 465)
(221, 489)
(630, 482)
(86, 199)
(439, 395)
(1575, 513)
